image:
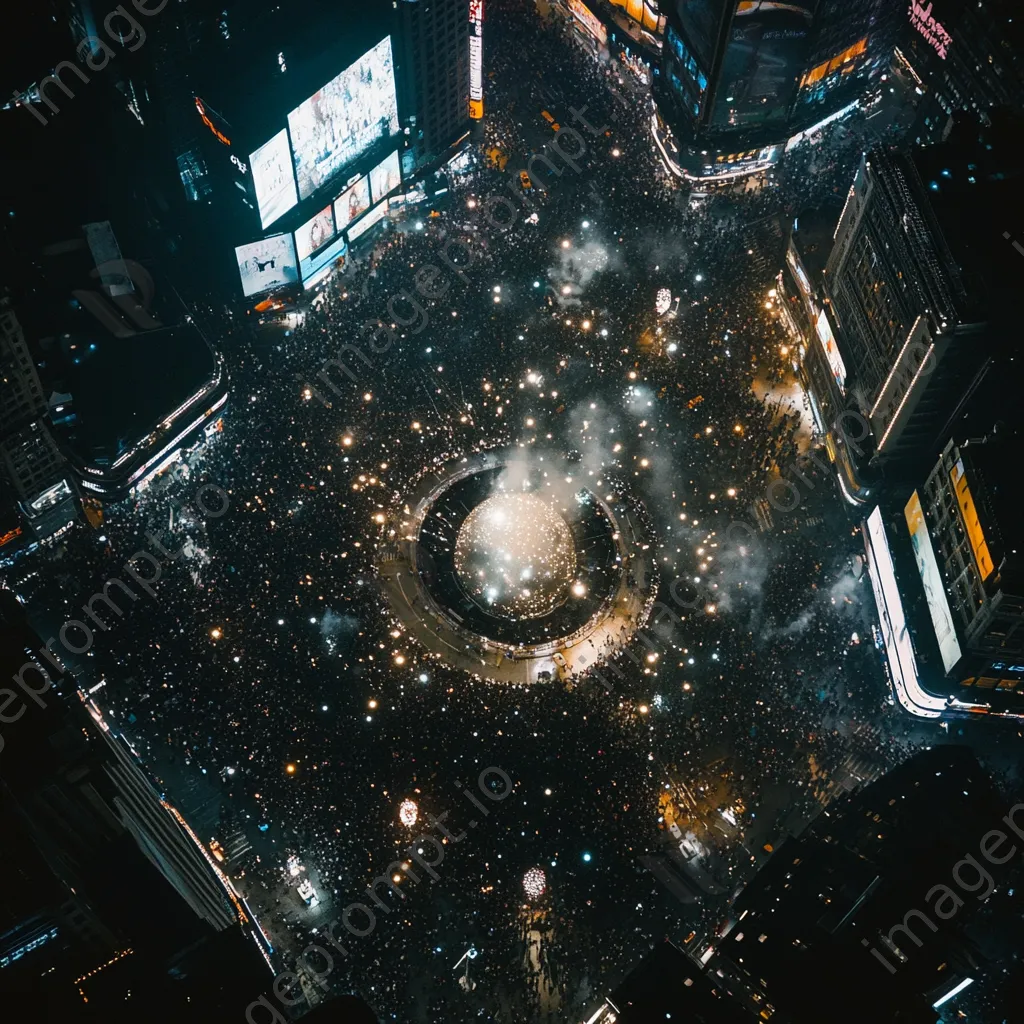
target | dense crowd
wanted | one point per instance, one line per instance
(269, 687)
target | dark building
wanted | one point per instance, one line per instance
(669, 985)
(40, 499)
(434, 36)
(967, 595)
(963, 57)
(118, 913)
(741, 79)
(881, 909)
(911, 328)
(802, 307)
(903, 309)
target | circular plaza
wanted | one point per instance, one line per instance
(510, 565)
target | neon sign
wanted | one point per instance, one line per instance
(221, 137)
(476, 59)
(923, 20)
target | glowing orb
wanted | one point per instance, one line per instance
(535, 883)
(408, 812)
(516, 554)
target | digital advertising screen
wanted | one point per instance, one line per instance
(315, 232)
(589, 20)
(273, 177)
(317, 267)
(899, 650)
(934, 592)
(353, 202)
(269, 263)
(379, 212)
(385, 176)
(345, 118)
(828, 342)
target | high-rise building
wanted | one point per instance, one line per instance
(21, 398)
(668, 984)
(743, 77)
(435, 40)
(868, 914)
(963, 56)
(30, 461)
(901, 310)
(963, 526)
(122, 912)
(911, 329)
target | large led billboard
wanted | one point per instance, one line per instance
(379, 212)
(385, 176)
(899, 650)
(317, 267)
(934, 591)
(823, 328)
(315, 232)
(269, 263)
(273, 177)
(353, 202)
(345, 118)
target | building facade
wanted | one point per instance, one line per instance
(963, 56)
(45, 500)
(741, 78)
(973, 578)
(435, 86)
(911, 335)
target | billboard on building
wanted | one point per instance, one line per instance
(353, 202)
(899, 650)
(266, 264)
(765, 54)
(317, 267)
(828, 342)
(476, 59)
(586, 17)
(934, 591)
(922, 18)
(273, 177)
(972, 524)
(344, 119)
(386, 176)
(378, 213)
(317, 231)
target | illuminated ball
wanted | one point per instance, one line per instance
(515, 554)
(535, 883)
(408, 812)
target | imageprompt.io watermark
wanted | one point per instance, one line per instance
(358, 918)
(945, 903)
(431, 282)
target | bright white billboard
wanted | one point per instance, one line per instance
(899, 650)
(385, 176)
(269, 263)
(353, 202)
(345, 118)
(379, 212)
(828, 343)
(273, 177)
(317, 267)
(934, 591)
(315, 232)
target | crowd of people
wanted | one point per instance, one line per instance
(269, 687)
